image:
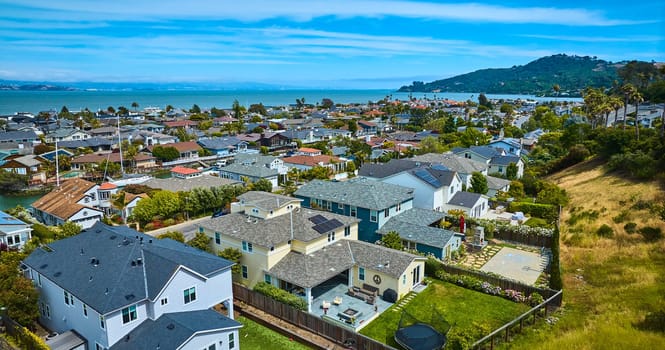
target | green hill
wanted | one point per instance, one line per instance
(571, 73)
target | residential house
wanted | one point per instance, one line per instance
(65, 134)
(274, 141)
(302, 162)
(28, 165)
(76, 200)
(304, 136)
(188, 150)
(508, 144)
(181, 172)
(224, 146)
(140, 162)
(103, 132)
(366, 128)
(419, 230)
(463, 166)
(473, 205)
(373, 202)
(306, 151)
(185, 124)
(121, 289)
(496, 185)
(28, 137)
(306, 251)
(252, 172)
(497, 159)
(14, 233)
(96, 144)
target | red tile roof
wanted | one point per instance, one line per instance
(107, 186)
(183, 170)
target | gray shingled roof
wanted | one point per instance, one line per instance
(219, 142)
(313, 269)
(465, 199)
(441, 177)
(271, 232)
(360, 192)
(171, 330)
(453, 162)
(504, 160)
(114, 282)
(250, 170)
(497, 182)
(175, 184)
(18, 135)
(483, 151)
(413, 225)
(265, 200)
(382, 170)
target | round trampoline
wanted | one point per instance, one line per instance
(420, 336)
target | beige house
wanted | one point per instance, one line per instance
(300, 249)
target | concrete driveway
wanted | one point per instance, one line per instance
(517, 264)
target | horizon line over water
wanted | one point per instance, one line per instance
(36, 101)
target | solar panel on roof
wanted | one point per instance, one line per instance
(327, 226)
(317, 219)
(427, 177)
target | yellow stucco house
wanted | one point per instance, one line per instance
(306, 251)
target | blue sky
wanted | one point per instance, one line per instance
(312, 43)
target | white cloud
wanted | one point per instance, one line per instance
(597, 39)
(299, 10)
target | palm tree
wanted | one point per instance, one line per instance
(628, 90)
(616, 102)
(637, 98)
(118, 202)
(135, 105)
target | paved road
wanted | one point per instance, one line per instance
(188, 228)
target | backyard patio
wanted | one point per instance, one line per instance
(343, 308)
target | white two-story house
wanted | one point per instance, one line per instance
(120, 289)
(14, 233)
(76, 200)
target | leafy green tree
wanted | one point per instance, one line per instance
(233, 255)
(174, 235)
(118, 202)
(69, 229)
(550, 193)
(12, 182)
(201, 241)
(352, 126)
(392, 240)
(516, 190)
(167, 203)
(511, 171)
(478, 183)
(327, 103)
(262, 185)
(472, 137)
(258, 108)
(430, 144)
(195, 109)
(165, 153)
(17, 293)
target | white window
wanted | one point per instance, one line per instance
(246, 246)
(267, 278)
(85, 310)
(164, 301)
(129, 314)
(399, 207)
(361, 273)
(255, 211)
(331, 236)
(232, 341)
(373, 216)
(353, 211)
(347, 231)
(66, 297)
(386, 212)
(340, 206)
(218, 238)
(403, 279)
(245, 273)
(189, 295)
(98, 347)
(39, 279)
(211, 347)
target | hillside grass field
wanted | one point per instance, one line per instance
(611, 281)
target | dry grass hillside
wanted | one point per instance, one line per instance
(613, 280)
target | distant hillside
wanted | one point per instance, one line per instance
(33, 87)
(571, 73)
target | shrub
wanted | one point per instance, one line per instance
(630, 227)
(654, 321)
(651, 234)
(605, 231)
(548, 212)
(281, 295)
(432, 266)
(535, 299)
(538, 222)
(641, 205)
(623, 216)
(169, 222)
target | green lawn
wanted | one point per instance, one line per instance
(256, 336)
(470, 312)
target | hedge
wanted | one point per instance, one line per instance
(281, 295)
(546, 211)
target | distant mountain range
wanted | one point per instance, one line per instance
(17, 85)
(571, 73)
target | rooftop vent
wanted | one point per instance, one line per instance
(106, 292)
(129, 297)
(90, 279)
(139, 261)
(81, 251)
(113, 237)
(57, 274)
(98, 231)
(94, 261)
(43, 266)
(170, 326)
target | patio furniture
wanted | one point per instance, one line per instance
(337, 300)
(325, 305)
(349, 315)
(367, 293)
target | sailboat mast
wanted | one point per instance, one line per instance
(122, 169)
(57, 167)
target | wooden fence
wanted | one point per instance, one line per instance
(532, 240)
(501, 282)
(517, 325)
(343, 336)
(18, 332)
